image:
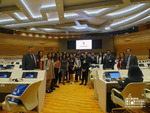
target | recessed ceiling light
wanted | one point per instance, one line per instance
(56, 37)
(23, 34)
(37, 35)
(61, 37)
(30, 35)
(49, 37)
(43, 36)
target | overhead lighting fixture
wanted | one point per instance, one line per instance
(56, 37)
(107, 28)
(95, 11)
(20, 15)
(79, 28)
(23, 34)
(29, 24)
(67, 15)
(37, 35)
(131, 18)
(43, 36)
(146, 19)
(49, 37)
(6, 20)
(48, 6)
(116, 13)
(30, 35)
(47, 29)
(33, 29)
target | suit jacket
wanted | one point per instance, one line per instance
(133, 61)
(109, 62)
(85, 64)
(124, 83)
(27, 62)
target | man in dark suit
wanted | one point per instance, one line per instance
(93, 58)
(109, 61)
(130, 60)
(30, 60)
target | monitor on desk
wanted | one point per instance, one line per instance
(1, 66)
(141, 65)
(95, 66)
(148, 65)
(17, 62)
(29, 75)
(12, 62)
(5, 74)
(9, 66)
(114, 75)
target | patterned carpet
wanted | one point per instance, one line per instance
(70, 98)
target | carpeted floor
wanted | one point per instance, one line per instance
(70, 98)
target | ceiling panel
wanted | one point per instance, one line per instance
(73, 16)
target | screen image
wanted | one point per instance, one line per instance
(1, 66)
(141, 65)
(9, 66)
(83, 44)
(29, 75)
(17, 62)
(5, 74)
(114, 75)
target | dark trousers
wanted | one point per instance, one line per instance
(60, 75)
(78, 74)
(56, 75)
(52, 84)
(84, 76)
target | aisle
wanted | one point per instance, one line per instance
(71, 99)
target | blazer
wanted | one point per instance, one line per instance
(133, 61)
(85, 64)
(124, 83)
(27, 62)
(109, 62)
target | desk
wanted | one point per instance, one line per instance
(7, 86)
(103, 87)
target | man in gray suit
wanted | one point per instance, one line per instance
(130, 60)
(30, 60)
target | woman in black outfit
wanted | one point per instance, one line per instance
(84, 69)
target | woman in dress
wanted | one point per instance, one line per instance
(49, 66)
(71, 69)
(64, 67)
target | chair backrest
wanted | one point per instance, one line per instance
(30, 96)
(133, 89)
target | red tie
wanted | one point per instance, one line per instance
(33, 59)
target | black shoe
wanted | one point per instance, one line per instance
(81, 84)
(57, 86)
(53, 88)
(85, 84)
(63, 83)
(76, 80)
(48, 91)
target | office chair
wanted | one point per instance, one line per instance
(29, 100)
(134, 90)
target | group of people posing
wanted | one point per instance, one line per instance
(60, 65)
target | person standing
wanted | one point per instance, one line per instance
(77, 67)
(41, 60)
(30, 60)
(64, 67)
(71, 68)
(109, 61)
(130, 60)
(57, 69)
(121, 61)
(93, 58)
(99, 58)
(84, 69)
(49, 67)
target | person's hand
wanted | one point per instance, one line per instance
(121, 78)
(73, 69)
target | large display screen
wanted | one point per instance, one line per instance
(83, 44)
(29, 75)
(5, 74)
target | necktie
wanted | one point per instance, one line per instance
(33, 59)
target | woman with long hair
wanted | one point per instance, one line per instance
(64, 67)
(49, 66)
(71, 68)
(41, 60)
(121, 61)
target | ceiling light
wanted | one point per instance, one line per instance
(49, 37)
(81, 27)
(20, 15)
(61, 37)
(37, 35)
(107, 28)
(56, 37)
(48, 6)
(30, 35)
(95, 11)
(43, 36)
(6, 20)
(47, 29)
(126, 11)
(66, 15)
(33, 29)
(23, 34)
(131, 18)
